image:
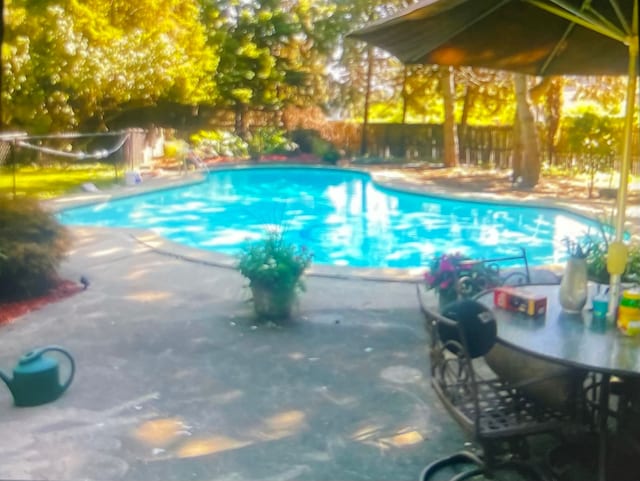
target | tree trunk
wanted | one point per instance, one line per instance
(462, 127)
(239, 120)
(364, 140)
(450, 137)
(530, 165)
(516, 161)
(405, 94)
(403, 121)
(553, 109)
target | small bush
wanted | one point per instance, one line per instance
(270, 140)
(310, 142)
(304, 139)
(219, 143)
(33, 244)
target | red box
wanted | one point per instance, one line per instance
(518, 299)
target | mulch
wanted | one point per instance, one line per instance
(10, 311)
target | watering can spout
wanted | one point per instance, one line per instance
(6, 380)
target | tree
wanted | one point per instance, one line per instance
(549, 94)
(269, 56)
(590, 136)
(98, 58)
(361, 75)
(449, 129)
(529, 166)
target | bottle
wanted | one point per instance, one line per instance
(629, 312)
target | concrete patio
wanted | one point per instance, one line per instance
(175, 380)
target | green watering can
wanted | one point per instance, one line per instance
(35, 378)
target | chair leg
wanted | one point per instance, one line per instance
(462, 457)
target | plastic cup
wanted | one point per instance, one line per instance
(600, 307)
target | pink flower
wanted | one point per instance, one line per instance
(446, 265)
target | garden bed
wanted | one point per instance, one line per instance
(10, 311)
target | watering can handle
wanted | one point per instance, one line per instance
(71, 363)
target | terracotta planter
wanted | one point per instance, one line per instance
(270, 304)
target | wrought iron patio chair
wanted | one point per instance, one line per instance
(496, 413)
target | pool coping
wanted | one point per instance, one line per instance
(164, 246)
(167, 247)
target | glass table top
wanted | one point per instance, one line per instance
(572, 339)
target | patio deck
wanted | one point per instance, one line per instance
(175, 380)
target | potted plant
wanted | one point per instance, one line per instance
(274, 268)
(597, 262)
(443, 275)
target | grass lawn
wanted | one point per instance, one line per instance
(47, 182)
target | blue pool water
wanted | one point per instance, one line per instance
(342, 216)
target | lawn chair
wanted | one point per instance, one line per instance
(496, 413)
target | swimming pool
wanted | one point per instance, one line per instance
(341, 216)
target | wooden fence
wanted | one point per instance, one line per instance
(424, 142)
(478, 146)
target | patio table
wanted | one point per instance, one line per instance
(575, 340)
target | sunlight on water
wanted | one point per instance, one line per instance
(341, 216)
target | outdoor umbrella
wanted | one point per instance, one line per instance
(535, 37)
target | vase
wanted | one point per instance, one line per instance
(573, 287)
(271, 305)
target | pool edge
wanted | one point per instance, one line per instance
(167, 247)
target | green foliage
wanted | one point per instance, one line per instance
(269, 140)
(632, 272)
(97, 58)
(593, 138)
(32, 243)
(597, 262)
(268, 54)
(304, 139)
(309, 141)
(274, 264)
(606, 94)
(591, 134)
(219, 143)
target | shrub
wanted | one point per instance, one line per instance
(274, 263)
(32, 243)
(304, 138)
(597, 262)
(270, 140)
(310, 142)
(219, 143)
